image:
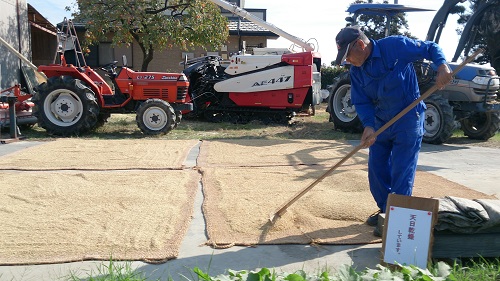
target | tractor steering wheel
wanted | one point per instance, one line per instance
(110, 67)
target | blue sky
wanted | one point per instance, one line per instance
(319, 19)
(53, 10)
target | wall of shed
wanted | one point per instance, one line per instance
(15, 30)
(43, 46)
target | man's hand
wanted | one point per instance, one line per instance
(444, 76)
(366, 139)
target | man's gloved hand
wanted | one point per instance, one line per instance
(444, 76)
(366, 139)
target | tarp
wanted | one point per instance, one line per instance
(469, 216)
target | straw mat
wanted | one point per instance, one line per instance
(240, 198)
(262, 152)
(53, 217)
(89, 154)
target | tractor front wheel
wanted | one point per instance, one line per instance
(481, 125)
(64, 106)
(439, 120)
(155, 116)
(342, 111)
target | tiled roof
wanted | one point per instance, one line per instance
(39, 21)
(248, 28)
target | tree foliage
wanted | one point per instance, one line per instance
(181, 23)
(374, 26)
(329, 73)
(488, 36)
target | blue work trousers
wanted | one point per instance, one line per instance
(393, 157)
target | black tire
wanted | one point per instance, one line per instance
(155, 117)
(342, 111)
(439, 120)
(481, 125)
(64, 106)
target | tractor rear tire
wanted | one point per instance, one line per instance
(481, 125)
(439, 120)
(64, 106)
(155, 117)
(342, 111)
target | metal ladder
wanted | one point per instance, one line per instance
(68, 40)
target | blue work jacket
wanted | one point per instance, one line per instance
(386, 83)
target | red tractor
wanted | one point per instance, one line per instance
(76, 99)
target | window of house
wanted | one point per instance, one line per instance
(121, 51)
(106, 53)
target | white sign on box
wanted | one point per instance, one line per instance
(408, 237)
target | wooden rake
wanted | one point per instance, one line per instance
(285, 206)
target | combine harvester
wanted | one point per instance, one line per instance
(271, 85)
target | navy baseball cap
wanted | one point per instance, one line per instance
(344, 39)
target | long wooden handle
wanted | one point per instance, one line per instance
(19, 55)
(427, 93)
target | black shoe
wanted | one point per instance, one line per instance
(373, 219)
(377, 232)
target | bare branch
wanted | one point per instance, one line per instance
(177, 10)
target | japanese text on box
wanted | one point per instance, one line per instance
(408, 236)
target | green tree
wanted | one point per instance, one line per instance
(374, 26)
(329, 73)
(154, 25)
(488, 35)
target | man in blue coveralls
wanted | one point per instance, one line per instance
(383, 83)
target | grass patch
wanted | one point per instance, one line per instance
(122, 126)
(472, 269)
(477, 269)
(112, 272)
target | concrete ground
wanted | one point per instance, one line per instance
(474, 167)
